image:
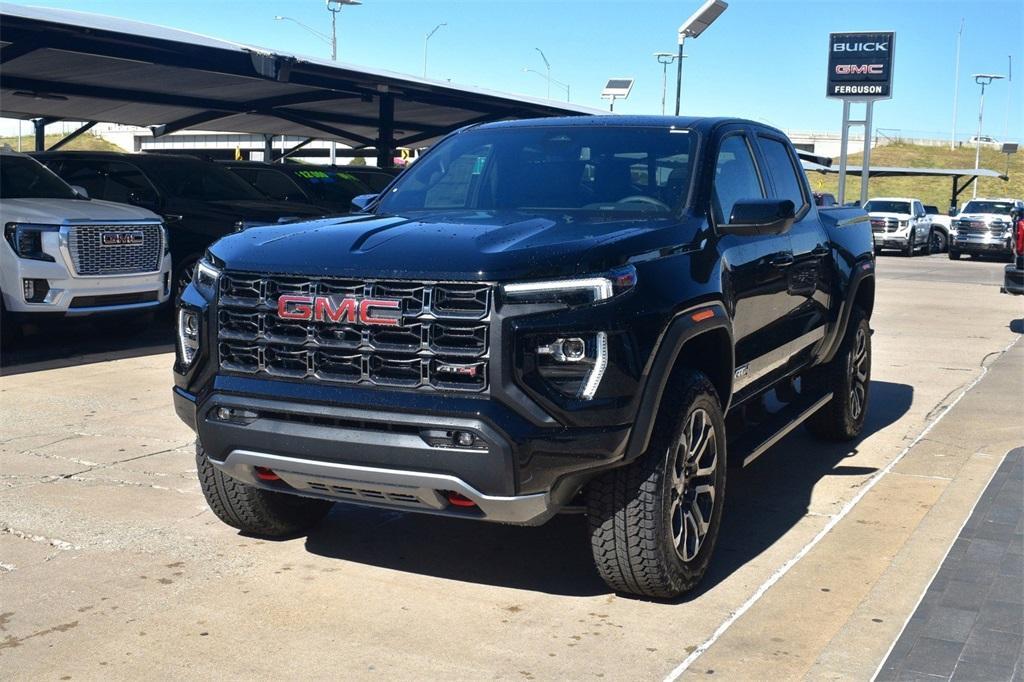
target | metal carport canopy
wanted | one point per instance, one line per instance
(65, 65)
(890, 171)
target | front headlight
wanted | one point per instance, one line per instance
(188, 336)
(904, 224)
(27, 240)
(206, 278)
(577, 291)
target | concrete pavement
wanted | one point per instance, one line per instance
(111, 565)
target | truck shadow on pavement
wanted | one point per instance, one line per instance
(70, 343)
(763, 502)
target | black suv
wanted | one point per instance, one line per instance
(199, 201)
(537, 316)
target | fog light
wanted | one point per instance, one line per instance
(565, 350)
(235, 415)
(35, 290)
(465, 439)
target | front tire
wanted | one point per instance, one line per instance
(908, 250)
(848, 377)
(654, 522)
(253, 510)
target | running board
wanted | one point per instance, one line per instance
(761, 437)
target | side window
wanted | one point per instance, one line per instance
(735, 177)
(126, 183)
(84, 174)
(277, 186)
(788, 184)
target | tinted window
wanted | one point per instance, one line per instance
(126, 183)
(198, 180)
(375, 180)
(85, 174)
(25, 178)
(988, 207)
(607, 170)
(330, 185)
(277, 185)
(735, 177)
(886, 206)
(932, 210)
(784, 171)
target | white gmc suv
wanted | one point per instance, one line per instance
(68, 255)
(900, 223)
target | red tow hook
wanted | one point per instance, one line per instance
(265, 474)
(457, 500)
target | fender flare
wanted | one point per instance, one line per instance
(682, 329)
(863, 272)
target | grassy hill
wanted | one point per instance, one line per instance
(935, 191)
(84, 142)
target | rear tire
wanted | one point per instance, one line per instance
(253, 510)
(954, 255)
(939, 241)
(654, 522)
(848, 377)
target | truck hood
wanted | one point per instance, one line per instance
(463, 246)
(60, 211)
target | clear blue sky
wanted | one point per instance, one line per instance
(763, 59)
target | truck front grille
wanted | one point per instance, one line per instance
(115, 249)
(882, 225)
(441, 341)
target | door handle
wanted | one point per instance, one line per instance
(782, 260)
(819, 251)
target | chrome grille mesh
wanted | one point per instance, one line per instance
(442, 341)
(91, 256)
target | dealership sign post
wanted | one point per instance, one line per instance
(860, 68)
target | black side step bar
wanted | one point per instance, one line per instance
(754, 442)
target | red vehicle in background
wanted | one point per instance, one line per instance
(1013, 275)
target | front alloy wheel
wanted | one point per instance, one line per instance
(693, 484)
(858, 379)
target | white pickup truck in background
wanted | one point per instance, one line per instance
(900, 223)
(64, 254)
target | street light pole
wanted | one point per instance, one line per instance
(547, 65)
(427, 40)
(692, 28)
(552, 80)
(664, 58)
(334, 7)
(981, 79)
(956, 85)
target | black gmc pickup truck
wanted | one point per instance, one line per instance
(538, 316)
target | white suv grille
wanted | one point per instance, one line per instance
(115, 249)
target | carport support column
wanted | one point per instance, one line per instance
(386, 133)
(40, 127)
(268, 148)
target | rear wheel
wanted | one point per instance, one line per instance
(938, 241)
(253, 510)
(654, 523)
(848, 377)
(954, 255)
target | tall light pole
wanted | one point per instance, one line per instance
(557, 82)
(692, 28)
(547, 65)
(426, 40)
(981, 79)
(334, 7)
(956, 85)
(1009, 97)
(664, 58)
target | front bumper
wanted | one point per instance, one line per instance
(71, 295)
(889, 240)
(983, 243)
(517, 473)
(1013, 278)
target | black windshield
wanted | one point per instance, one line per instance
(606, 169)
(25, 178)
(1002, 207)
(329, 185)
(200, 180)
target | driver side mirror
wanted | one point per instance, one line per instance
(760, 216)
(362, 201)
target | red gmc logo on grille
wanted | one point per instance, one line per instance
(369, 311)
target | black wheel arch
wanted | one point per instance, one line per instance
(698, 338)
(860, 293)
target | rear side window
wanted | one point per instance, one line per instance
(126, 183)
(278, 186)
(85, 175)
(784, 171)
(736, 177)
